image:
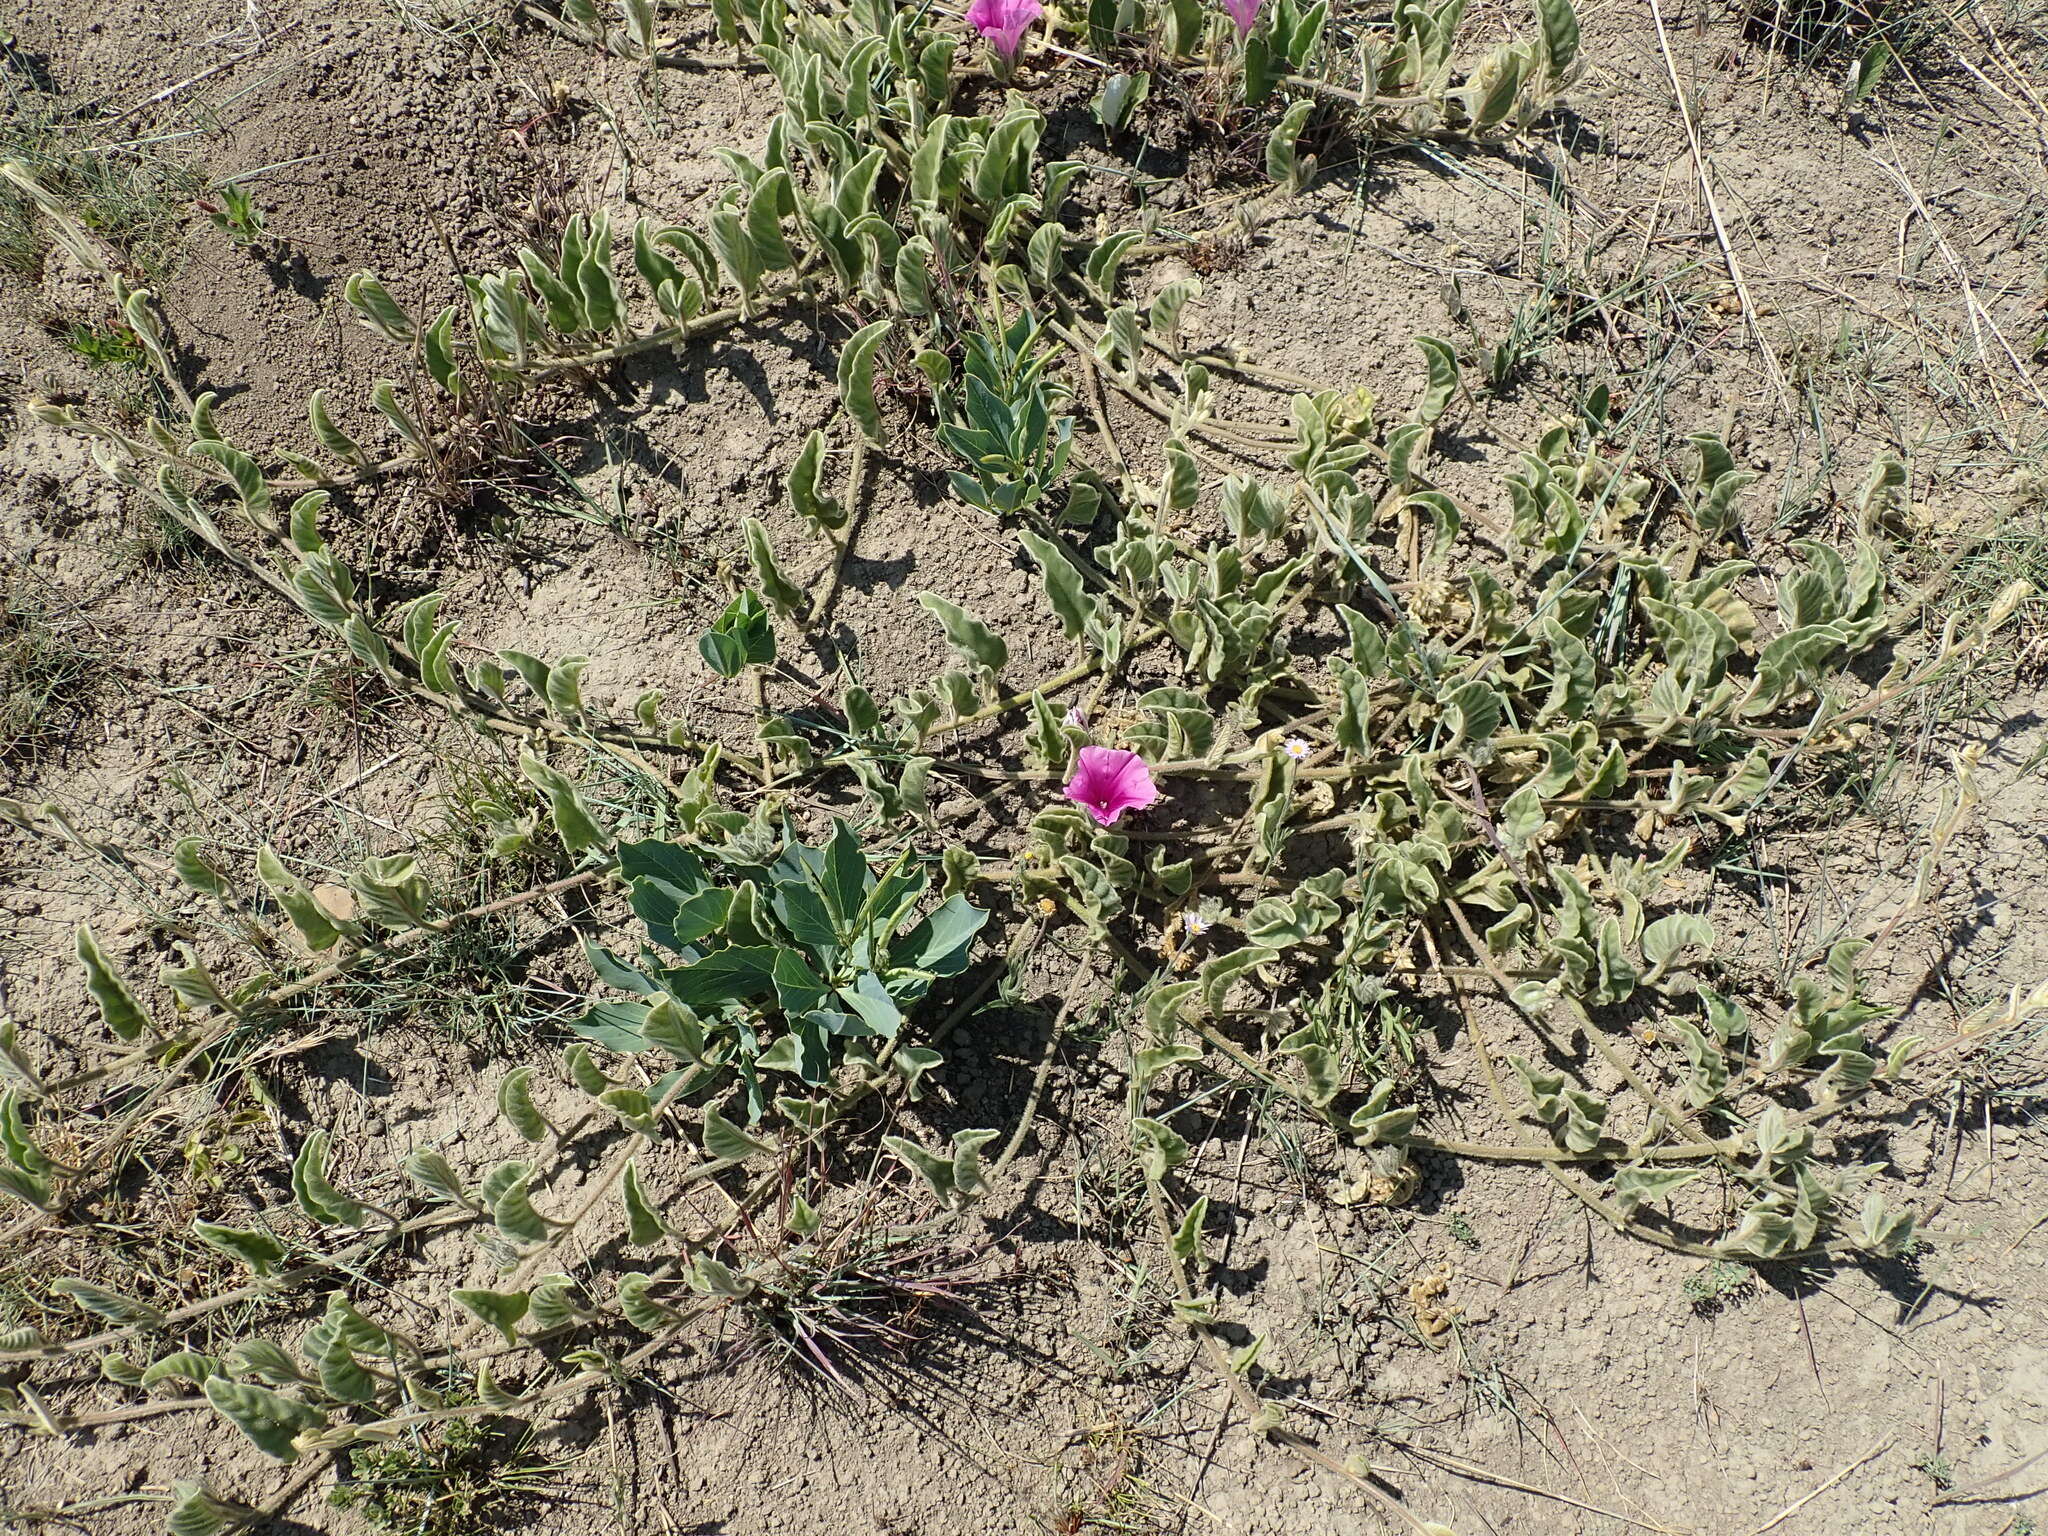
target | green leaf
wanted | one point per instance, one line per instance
(1709, 1074)
(968, 1178)
(857, 379)
(1183, 482)
(565, 687)
(186, 1365)
(1187, 1238)
(1065, 589)
(269, 1419)
(807, 495)
(583, 1071)
(515, 1103)
(1376, 1122)
(332, 438)
(736, 252)
(676, 919)
(1560, 32)
(1584, 1116)
(501, 1309)
(1283, 165)
(804, 1220)
(117, 1005)
(973, 639)
(771, 199)
(616, 1026)
(1493, 88)
(871, 1003)
(936, 1171)
(1165, 1007)
(513, 1214)
(573, 820)
(912, 1062)
(436, 1175)
(741, 636)
(1160, 1149)
(384, 396)
(1884, 1231)
(1321, 1066)
(783, 595)
(259, 1250)
(17, 1138)
(1615, 977)
(1105, 260)
(437, 347)
(1217, 976)
(942, 939)
(196, 1512)
(124, 1311)
(392, 892)
(312, 921)
(641, 1310)
(342, 1320)
(1441, 383)
(493, 1395)
(644, 1226)
(266, 1362)
(1637, 1186)
(671, 1027)
(724, 976)
(319, 1199)
(727, 1142)
(245, 475)
(1669, 937)
(1521, 821)
(633, 1107)
(342, 1377)
(375, 306)
(554, 1305)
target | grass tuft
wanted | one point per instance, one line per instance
(46, 678)
(455, 1478)
(137, 200)
(841, 1303)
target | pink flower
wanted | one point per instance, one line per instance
(1108, 781)
(1002, 23)
(1077, 716)
(1245, 13)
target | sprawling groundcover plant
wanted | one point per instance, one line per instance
(1391, 751)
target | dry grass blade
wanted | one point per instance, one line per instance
(1703, 171)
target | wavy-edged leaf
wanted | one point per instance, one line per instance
(503, 1310)
(857, 379)
(727, 1142)
(513, 1214)
(186, 1365)
(319, 1199)
(515, 1103)
(261, 1252)
(123, 1311)
(268, 1418)
(1159, 1147)
(117, 1005)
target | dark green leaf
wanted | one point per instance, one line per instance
(723, 976)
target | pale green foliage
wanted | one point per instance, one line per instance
(956, 1178)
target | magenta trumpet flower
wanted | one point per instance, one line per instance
(1003, 23)
(1245, 13)
(1108, 781)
